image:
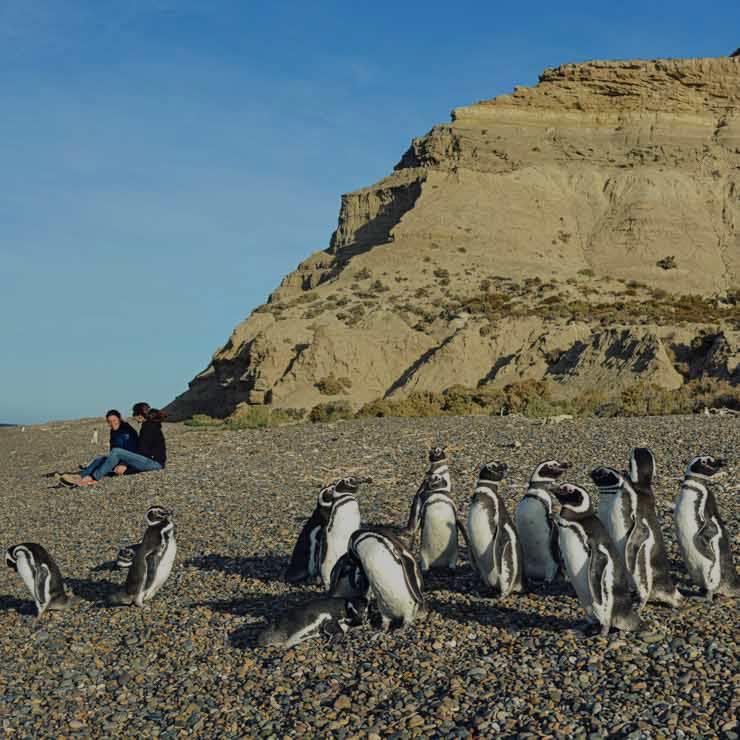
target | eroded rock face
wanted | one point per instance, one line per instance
(609, 184)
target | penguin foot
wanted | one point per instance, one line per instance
(120, 598)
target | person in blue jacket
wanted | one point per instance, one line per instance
(122, 436)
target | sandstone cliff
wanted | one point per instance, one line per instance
(585, 230)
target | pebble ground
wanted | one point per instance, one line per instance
(187, 664)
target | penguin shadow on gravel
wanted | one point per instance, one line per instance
(24, 607)
(494, 613)
(266, 568)
(96, 593)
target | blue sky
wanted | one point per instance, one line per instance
(164, 164)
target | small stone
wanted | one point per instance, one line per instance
(342, 702)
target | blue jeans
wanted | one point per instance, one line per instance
(124, 457)
(99, 460)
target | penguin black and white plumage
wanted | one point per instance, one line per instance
(127, 554)
(627, 510)
(702, 535)
(437, 467)
(344, 519)
(645, 553)
(152, 562)
(438, 519)
(41, 576)
(593, 564)
(615, 507)
(313, 548)
(348, 579)
(492, 537)
(393, 573)
(535, 524)
(325, 617)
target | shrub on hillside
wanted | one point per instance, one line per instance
(330, 411)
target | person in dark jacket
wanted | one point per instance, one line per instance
(151, 452)
(122, 435)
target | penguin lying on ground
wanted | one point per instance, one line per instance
(393, 574)
(41, 576)
(627, 510)
(493, 540)
(152, 562)
(326, 617)
(536, 526)
(702, 534)
(593, 564)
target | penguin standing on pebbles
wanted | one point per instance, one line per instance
(152, 562)
(344, 518)
(592, 563)
(323, 539)
(41, 576)
(437, 516)
(535, 524)
(437, 467)
(627, 510)
(703, 538)
(493, 540)
(393, 574)
(326, 617)
(645, 553)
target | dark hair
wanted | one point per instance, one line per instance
(113, 412)
(150, 414)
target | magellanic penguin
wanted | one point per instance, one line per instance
(627, 510)
(344, 518)
(335, 510)
(493, 540)
(41, 576)
(437, 467)
(325, 617)
(348, 579)
(393, 573)
(535, 524)
(702, 534)
(439, 522)
(153, 560)
(127, 555)
(592, 563)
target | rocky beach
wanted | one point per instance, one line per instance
(188, 664)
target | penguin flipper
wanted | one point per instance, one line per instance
(600, 582)
(706, 536)
(42, 587)
(637, 551)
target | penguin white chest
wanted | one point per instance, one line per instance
(388, 581)
(611, 512)
(480, 534)
(164, 569)
(25, 571)
(438, 536)
(344, 525)
(533, 526)
(687, 526)
(575, 557)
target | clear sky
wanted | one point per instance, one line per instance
(163, 163)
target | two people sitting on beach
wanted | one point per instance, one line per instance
(129, 452)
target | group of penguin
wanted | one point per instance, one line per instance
(148, 565)
(606, 555)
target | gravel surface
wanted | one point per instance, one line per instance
(187, 663)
